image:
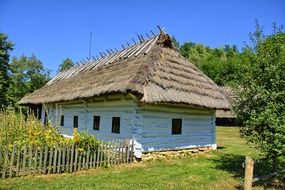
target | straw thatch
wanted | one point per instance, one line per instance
(152, 69)
(231, 97)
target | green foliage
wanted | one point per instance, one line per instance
(27, 75)
(5, 46)
(261, 107)
(16, 128)
(83, 139)
(220, 64)
(66, 64)
(175, 42)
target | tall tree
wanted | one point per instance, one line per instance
(5, 46)
(66, 64)
(220, 64)
(27, 75)
(261, 107)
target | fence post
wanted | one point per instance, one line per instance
(248, 175)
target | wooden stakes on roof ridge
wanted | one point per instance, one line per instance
(147, 35)
(134, 41)
(139, 38)
(108, 51)
(160, 29)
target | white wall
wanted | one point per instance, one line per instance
(198, 129)
(125, 109)
(150, 126)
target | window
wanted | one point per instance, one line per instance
(96, 122)
(62, 120)
(176, 126)
(75, 121)
(116, 125)
(46, 117)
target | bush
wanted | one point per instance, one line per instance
(83, 140)
(19, 129)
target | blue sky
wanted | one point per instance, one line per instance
(54, 29)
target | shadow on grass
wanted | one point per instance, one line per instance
(233, 163)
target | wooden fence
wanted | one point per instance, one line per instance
(26, 160)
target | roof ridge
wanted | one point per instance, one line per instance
(135, 49)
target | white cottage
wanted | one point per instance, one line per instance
(147, 92)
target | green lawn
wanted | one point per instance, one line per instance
(220, 169)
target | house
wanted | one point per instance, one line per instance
(147, 91)
(227, 117)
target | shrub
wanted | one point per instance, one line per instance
(16, 128)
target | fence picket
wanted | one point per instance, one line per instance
(24, 159)
(116, 151)
(87, 159)
(101, 154)
(55, 159)
(132, 150)
(129, 151)
(30, 159)
(98, 156)
(68, 158)
(12, 161)
(45, 160)
(41, 160)
(1, 153)
(5, 163)
(34, 168)
(90, 160)
(59, 159)
(50, 159)
(76, 155)
(63, 158)
(83, 160)
(79, 162)
(18, 160)
(71, 159)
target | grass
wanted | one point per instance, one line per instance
(220, 169)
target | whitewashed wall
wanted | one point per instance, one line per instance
(150, 126)
(125, 109)
(198, 129)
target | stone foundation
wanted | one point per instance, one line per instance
(174, 153)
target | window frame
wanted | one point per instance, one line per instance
(116, 129)
(175, 129)
(96, 123)
(77, 121)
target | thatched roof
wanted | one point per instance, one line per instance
(152, 69)
(231, 97)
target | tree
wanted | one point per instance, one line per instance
(175, 42)
(27, 75)
(220, 64)
(66, 64)
(5, 46)
(261, 108)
